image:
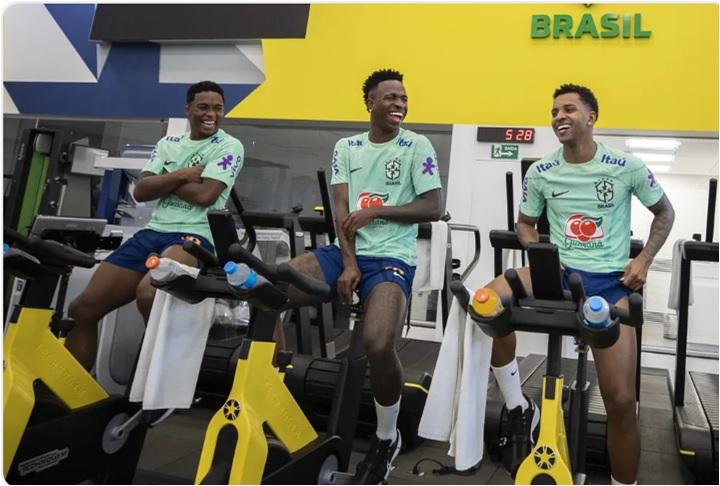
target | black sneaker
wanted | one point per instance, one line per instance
(376, 466)
(520, 435)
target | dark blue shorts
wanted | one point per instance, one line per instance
(374, 270)
(133, 253)
(606, 285)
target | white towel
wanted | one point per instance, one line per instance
(455, 406)
(171, 353)
(431, 256)
(674, 294)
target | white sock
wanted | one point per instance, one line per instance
(387, 420)
(615, 481)
(508, 379)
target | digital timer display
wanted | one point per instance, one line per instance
(505, 135)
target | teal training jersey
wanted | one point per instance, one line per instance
(222, 155)
(385, 174)
(588, 204)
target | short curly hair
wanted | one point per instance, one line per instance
(378, 77)
(584, 93)
(203, 86)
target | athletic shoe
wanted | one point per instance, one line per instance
(376, 466)
(520, 436)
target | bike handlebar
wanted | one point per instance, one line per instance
(49, 252)
(282, 272)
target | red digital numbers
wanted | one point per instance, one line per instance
(505, 134)
(518, 134)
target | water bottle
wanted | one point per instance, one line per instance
(596, 312)
(240, 313)
(486, 302)
(240, 276)
(223, 312)
(165, 269)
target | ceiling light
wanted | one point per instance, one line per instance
(650, 158)
(653, 143)
(659, 167)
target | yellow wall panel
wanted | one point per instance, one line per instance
(477, 64)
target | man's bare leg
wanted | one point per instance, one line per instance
(145, 292)
(385, 308)
(503, 348)
(308, 264)
(616, 376)
(110, 287)
(523, 413)
(384, 312)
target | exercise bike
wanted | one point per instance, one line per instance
(557, 457)
(60, 425)
(236, 449)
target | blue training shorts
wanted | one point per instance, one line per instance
(606, 285)
(374, 270)
(133, 253)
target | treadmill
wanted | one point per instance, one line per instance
(532, 367)
(695, 395)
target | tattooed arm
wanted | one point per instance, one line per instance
(636, 270)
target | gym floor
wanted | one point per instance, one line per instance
(172, 449)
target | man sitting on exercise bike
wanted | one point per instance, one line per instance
(586, 187)
(189, 174)
(385, 181)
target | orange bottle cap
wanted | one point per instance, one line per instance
(152, 262)
(481, 295)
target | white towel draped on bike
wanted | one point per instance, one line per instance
(171, 353)
(455, 407)
(431, 257)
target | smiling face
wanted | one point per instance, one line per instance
(204, 114)
(388, 105)
(572, 120)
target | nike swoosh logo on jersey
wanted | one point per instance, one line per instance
(558, 194)
(355, 169)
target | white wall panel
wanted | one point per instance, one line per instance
(222, 63)
(32, 42)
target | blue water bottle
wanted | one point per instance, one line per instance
(596, 312)
(240, 276)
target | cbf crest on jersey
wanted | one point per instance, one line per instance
(605, 192)
(392, 171)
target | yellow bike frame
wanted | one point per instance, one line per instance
(550, 455)
(32, 352)
(258, 396)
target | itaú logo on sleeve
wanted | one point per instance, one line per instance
(583, 229)
(371, 199)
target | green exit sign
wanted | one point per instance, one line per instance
(504, 151)
(608, 26)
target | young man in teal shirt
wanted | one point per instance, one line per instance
(384, 182)
(189, 174)
(586, 187)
